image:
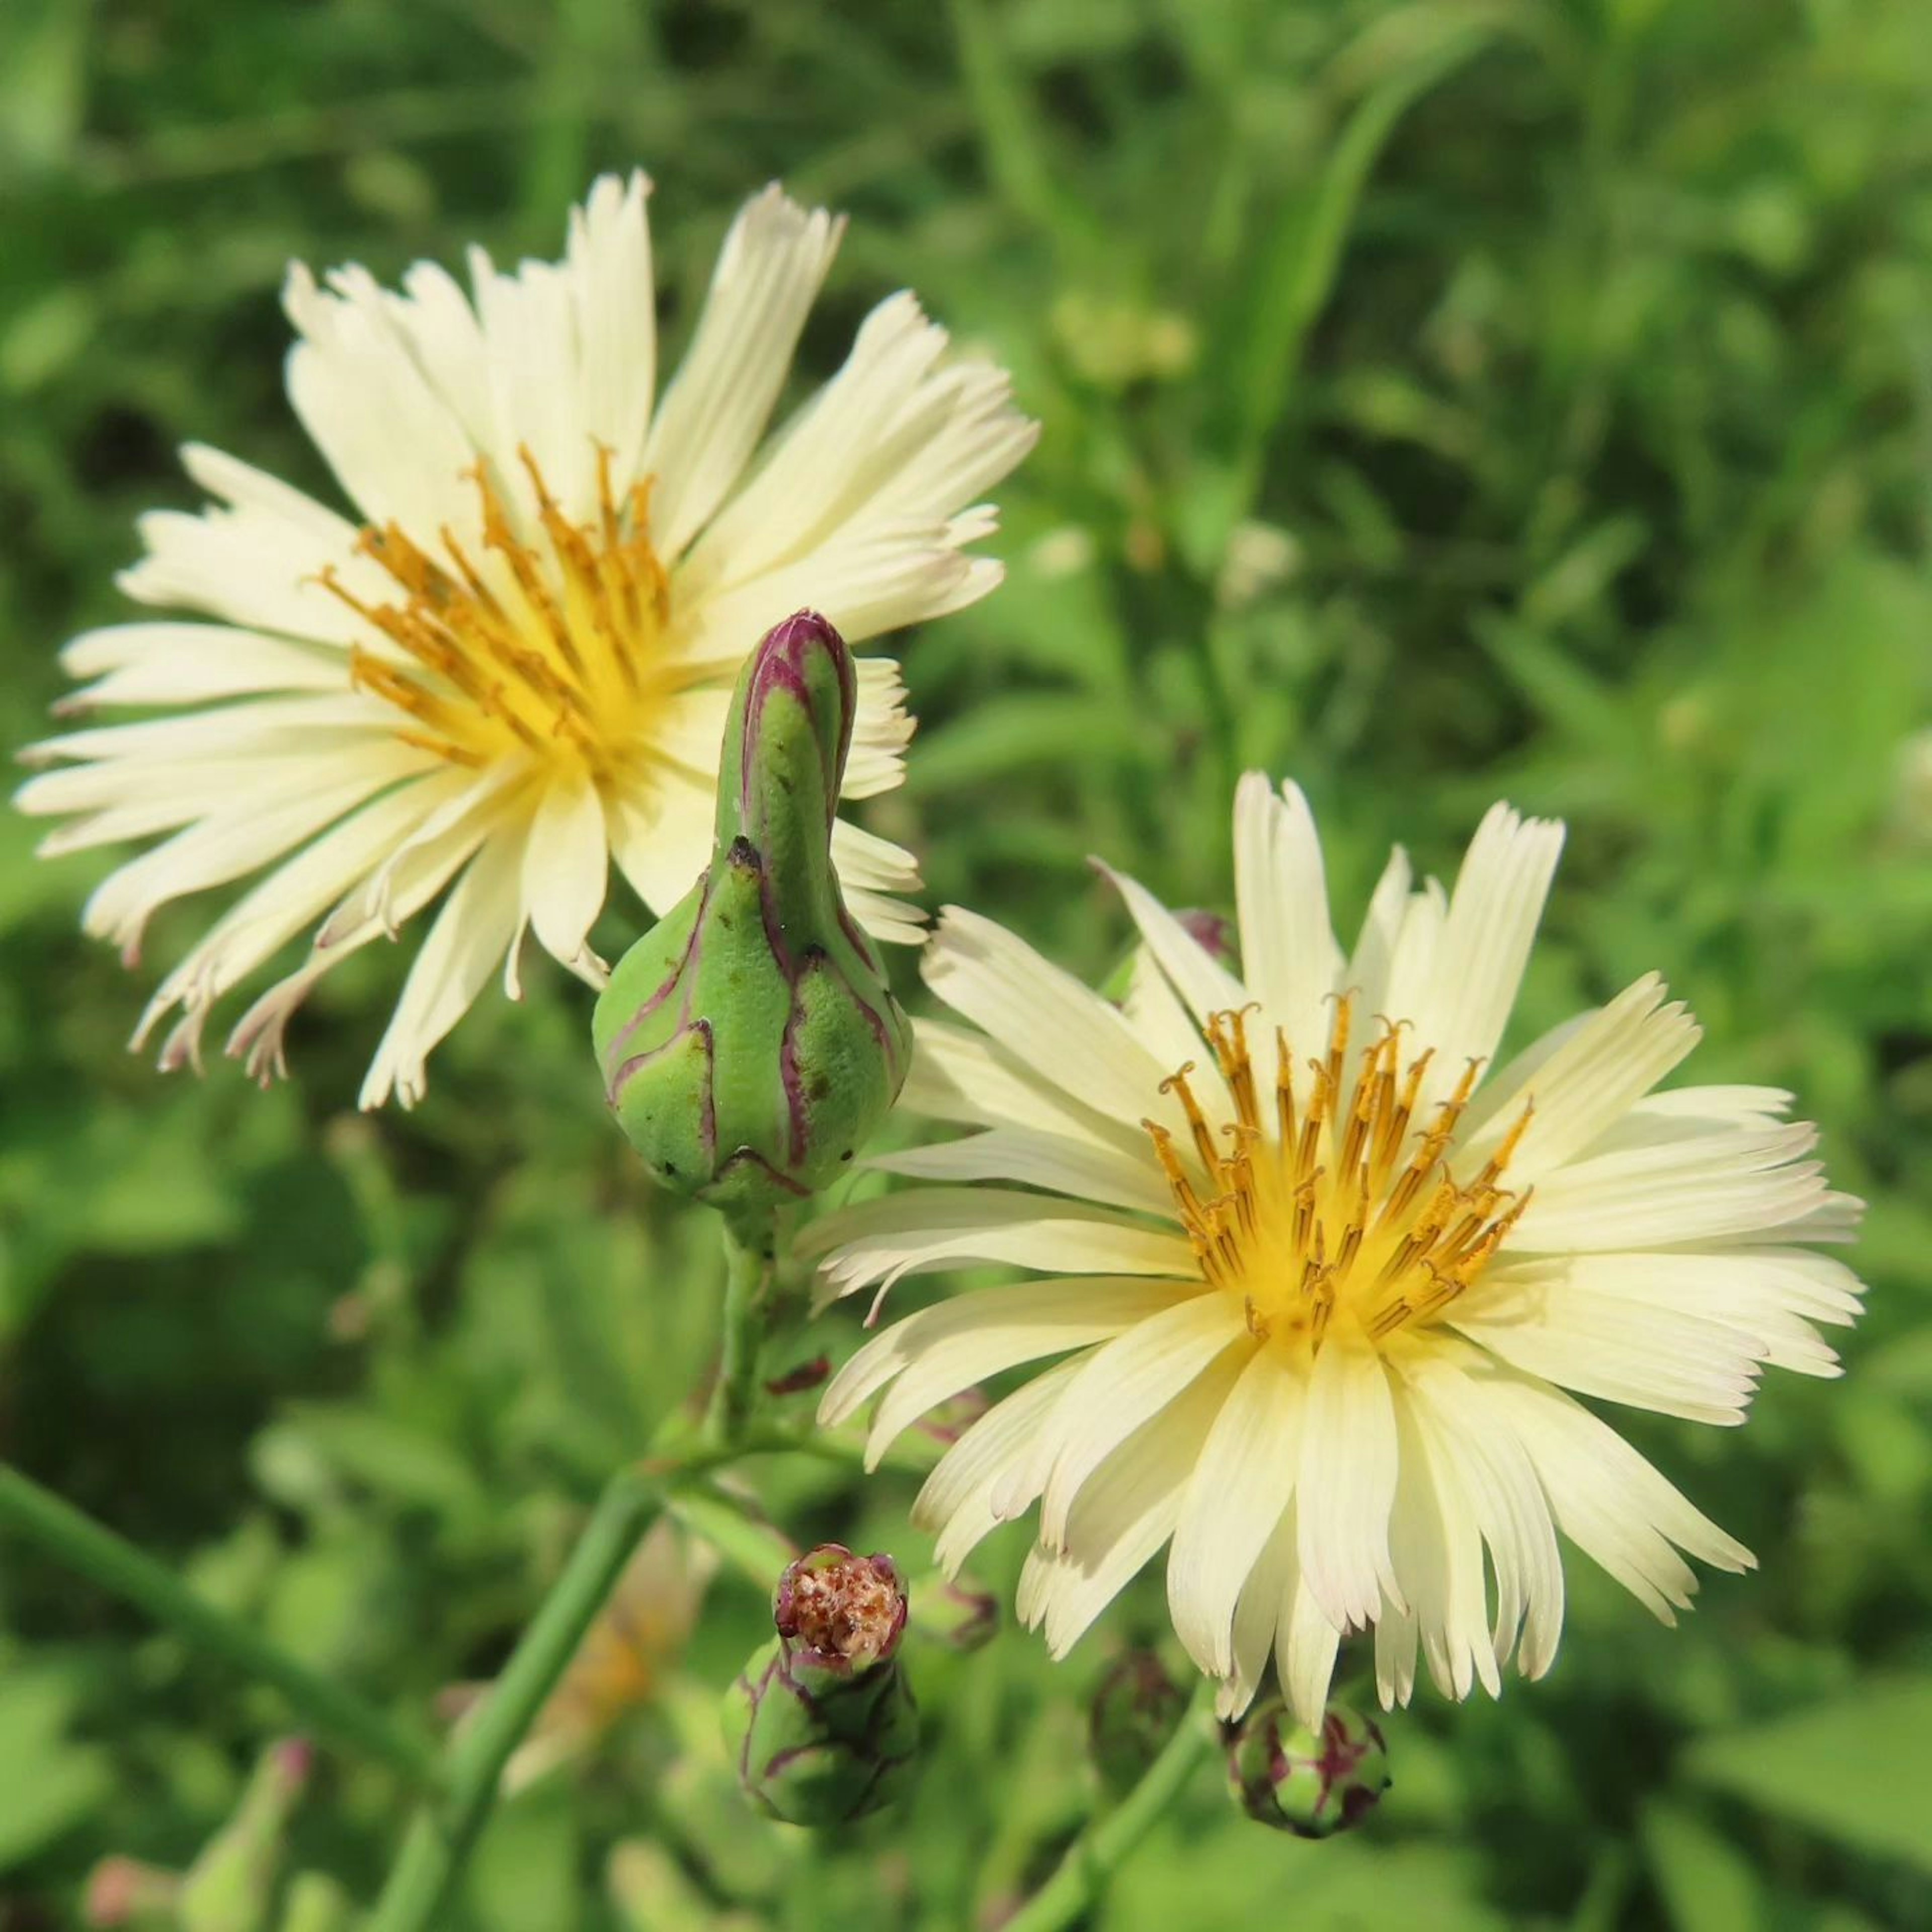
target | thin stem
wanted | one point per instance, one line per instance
(440, 1840)
(1100, 1850)
(116, 1566)
(747, 1263)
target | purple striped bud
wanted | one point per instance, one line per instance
(749, 1041)
(1282, 1775)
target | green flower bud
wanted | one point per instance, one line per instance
(1136, 1706)
(230, 1885)
(1283, 1775)
(821, 1720)
(651, 1893)
(131, 1896)
(315, 1903)
(749, 1042)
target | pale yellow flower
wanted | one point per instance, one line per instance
(509, 670)
(1323, 1282)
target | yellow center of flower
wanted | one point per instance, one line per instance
(1343, 1207)
(560, 652)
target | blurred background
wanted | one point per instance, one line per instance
(1441, 401)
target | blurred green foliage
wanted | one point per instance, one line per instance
(1441, 400)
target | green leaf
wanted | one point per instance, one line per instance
(48, 1785)
(1856, 1769)
(1707, 1885)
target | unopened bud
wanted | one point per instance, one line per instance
(315, 1903)
(131, 1895)
(1136, 1706)
(821, 1720)
(1284, 1775)
(230, 1886)
(651, 1893)
(749, 1042)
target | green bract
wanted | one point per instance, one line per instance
(821, 1720)
(1283, 1775)
(749, 1042)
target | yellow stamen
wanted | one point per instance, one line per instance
(1341, 1209)
(555, 643)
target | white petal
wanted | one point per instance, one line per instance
(1584, 1207)
(1289, 955)
(290, 899)
(1346, 1485)
(1588, 1081)
(1201, 981)
(956, 1502)
(661, 836)
(476, 924)
(864, 862)
(1122, 1517)
(1374, 958)
(1234, 1501)
(1275, 1571)
(392, 439)
(1132, 1378)
(1607, 1499)
(1493, 914)
(1682, 1333)
(1079, 1167)
(529, 335)
(1063, 1030)
(565, 867)
(616, 304)
(894, 574)
(773, 260)
(891, 922)
(1437, 1546)
(1305, 1644)
(1510, 1504)
(219, 848)
(880, 732)
(929, 1228)
(959, 1075)
(930, 1357)
(190, 664)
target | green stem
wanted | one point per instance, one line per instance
(440, 1840)
(1100, 1850)
(748, 1262)
(116, 1566)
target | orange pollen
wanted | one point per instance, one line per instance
(1339, 1205)
(554, 641)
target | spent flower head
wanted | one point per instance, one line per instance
(505, 671)
(1328, 1286)
(821, 1720)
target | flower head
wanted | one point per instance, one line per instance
(509, 670)
(1326, 1283)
